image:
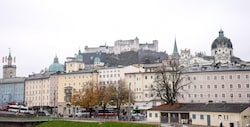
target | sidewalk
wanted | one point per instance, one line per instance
(181, 125)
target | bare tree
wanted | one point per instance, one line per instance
(168, 83)
(119, 94)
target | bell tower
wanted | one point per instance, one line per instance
(9, 70)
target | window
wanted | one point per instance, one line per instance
(216, 95)
(247, 85)
(208, 95)
(201, 116)
(146, 95)
(194, 116)
(194, 86)
(215, 77)
(222, 86)
(201, 95)
(238, 76)
(239, 85)
(146, 77)
(223, 95)
(248, 95)
(222, 77)
(231, 95)
(239, 95)
(247, 76)
(200, 86)
(156, 115)
(230, 77)
(215, 86)
(194, 78)
(231, 85)
(150, 114)
(208, 86)
(208, 77)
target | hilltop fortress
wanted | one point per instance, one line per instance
(124, 46)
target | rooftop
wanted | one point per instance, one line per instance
(204, 107)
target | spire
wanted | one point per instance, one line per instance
(175, 52)
(79, 52)
(9, 58)
(56, 59)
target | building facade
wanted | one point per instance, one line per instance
(40, 91)
(230, 84)
(202, 114)
(113, 75)
(70, 84)
(12, 90)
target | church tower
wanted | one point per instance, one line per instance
(76, 63)
(175, 57)
(9, 70)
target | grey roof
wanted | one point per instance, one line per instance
(215, 107)
(43, 75)
(204, 107)
(78, 72)
(12, 80)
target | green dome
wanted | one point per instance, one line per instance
(97, 60)
(221, 40)
(56, 66)
(79, 56)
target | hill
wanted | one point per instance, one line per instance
(126, 58)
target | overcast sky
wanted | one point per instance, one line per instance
(37, 30)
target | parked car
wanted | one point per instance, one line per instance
(5, 108)
(43, 113)
(82, 113)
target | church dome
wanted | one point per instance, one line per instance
(56, 66)
(97, 60)
(221, 40)
(79, 56)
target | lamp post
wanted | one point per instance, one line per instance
(54, 110)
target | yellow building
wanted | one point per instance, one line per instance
(70, 84)
(74, 64)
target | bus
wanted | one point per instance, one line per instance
(106, 112)
(20, 109)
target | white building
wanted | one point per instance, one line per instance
(112, 75)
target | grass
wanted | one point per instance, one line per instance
(62, 123)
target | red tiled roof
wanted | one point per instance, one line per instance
(167, 107)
